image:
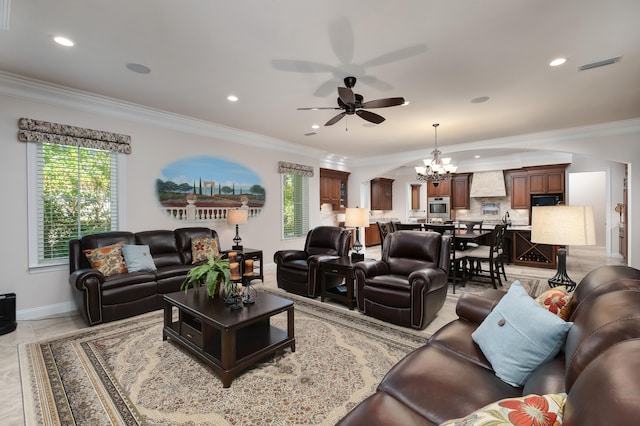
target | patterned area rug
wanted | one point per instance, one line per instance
(122, 373)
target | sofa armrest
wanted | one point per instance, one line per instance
(282, 256)
(86, 285)
(475, 307)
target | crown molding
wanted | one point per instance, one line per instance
(36, 90)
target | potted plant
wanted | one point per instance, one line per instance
(214, 271)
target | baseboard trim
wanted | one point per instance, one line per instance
(46, 311)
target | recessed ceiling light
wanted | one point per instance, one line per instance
(557, 61)
(315, 126)
(406, 103)
(479, 100)
(476, 156)
(63, 41)
(232, 98)
(139, 68)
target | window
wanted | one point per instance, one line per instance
(295, 205)
(74, 193)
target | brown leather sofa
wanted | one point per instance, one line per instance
(408, 285)
(101, 299)
(599, 366)
(297, 271)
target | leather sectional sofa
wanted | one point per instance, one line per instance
(102, 299)
(598, 367)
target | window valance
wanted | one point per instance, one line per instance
(294, 168)
(43, 131)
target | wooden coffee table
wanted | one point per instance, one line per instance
(227, 340)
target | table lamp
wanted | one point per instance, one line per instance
(237, 217)
(563, 226)
(356, 217)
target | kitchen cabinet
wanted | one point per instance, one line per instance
(535, 180)
(381, 194)
(546, 180)
(520, 198)
(460, 191)
(442, 190)
(415, 196)
(526, 253)
(372, 235)
(333, 188)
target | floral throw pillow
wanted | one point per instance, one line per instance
(203, 248)
(107, 259)
(538, 410)
(557, 301)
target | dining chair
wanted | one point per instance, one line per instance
(408, 226)
(493, 254)
(458, 257)
(384, 228)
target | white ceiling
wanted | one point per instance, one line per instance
(282, 54)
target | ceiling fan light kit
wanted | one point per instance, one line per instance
(436, 169)
(352, 103)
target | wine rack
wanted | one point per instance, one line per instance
(527, 253)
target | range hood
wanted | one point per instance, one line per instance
(488, 184)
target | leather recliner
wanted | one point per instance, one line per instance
(408, 286)
(297, 270)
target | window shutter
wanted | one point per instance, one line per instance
(76, 195)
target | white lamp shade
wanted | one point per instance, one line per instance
(356, 217)
(563, 225)
(237, 217)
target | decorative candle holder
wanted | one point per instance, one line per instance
(234, 268)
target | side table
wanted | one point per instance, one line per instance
(342, 267)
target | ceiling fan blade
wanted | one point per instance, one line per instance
(315, 108)
(370, 116)
(383, 103)
(293, 65)
(395, 56)
(335, 119)
(346, 95)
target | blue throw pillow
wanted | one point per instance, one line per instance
(519, 335)
(138, 258)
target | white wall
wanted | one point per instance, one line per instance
(590, 189)
(156, 141)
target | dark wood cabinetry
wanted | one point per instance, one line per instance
(415, 196)
(442, 190)
(460, 191)
(547, 180)
(333, 188)
(372, 235)
(381, 194)
(535, 180)
(526, 253)
(520, 198)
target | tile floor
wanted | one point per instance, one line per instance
(579, 262)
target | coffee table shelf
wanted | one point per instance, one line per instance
(227, 340)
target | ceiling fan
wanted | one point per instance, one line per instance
(352, 103)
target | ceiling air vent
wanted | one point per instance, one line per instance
(598, 64)
(310, 134)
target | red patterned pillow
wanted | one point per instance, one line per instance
(556, 300)
(107, 259)
(203, 248)
(541, 410)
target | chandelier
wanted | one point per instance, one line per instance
(437, 169)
